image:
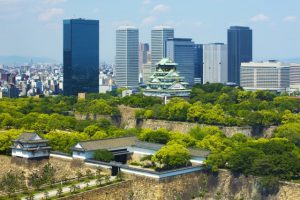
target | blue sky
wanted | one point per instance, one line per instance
(34, 27)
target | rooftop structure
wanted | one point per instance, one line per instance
(166, 81)
(30, 146)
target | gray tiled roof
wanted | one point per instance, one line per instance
(112, 143)
(29, 138)
(109, 143)
(148, 145)
(156, 147)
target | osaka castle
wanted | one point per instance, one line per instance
(166, 81)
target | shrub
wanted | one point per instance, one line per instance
(103, 155)
(171, 156)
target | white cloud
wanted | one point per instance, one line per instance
(160, 8)
(146, 2)
(290, 19)
(149, 20)
(50, 14)
(259, 18)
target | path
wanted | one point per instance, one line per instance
(66, 189)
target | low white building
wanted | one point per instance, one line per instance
(127, 148)
(30, 146)
(270, 75)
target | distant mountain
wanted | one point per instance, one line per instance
(9, 60)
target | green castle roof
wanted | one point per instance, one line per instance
(166, 61)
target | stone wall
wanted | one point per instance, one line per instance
(128, 120)
(65, 169)
(184, 127)
(197, 185)
(127, 116)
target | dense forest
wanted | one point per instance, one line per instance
(277, 157)
(216, 104)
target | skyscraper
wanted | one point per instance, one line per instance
(159, 36)
(143, 53)
(143, 56)
(215, 63)
(198, 63)
(127, 56)
(239, 41)
(182, 51)
(80, 56)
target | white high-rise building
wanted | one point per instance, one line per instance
(271, 75)
(127, 57)
(159, 36)
(295, 75)
(215, 67)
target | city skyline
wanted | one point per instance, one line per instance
(31, 25)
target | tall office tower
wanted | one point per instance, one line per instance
(215, 63)
(159, 36)
(127, 57)
(182, 52)
(81, 56)
(271, 75)
(147, 69)
(239, 41)
(143, 53)
(198, 64)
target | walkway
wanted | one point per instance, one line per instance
(66, 189)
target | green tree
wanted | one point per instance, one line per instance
(64, 141)
(183, 139)
(161, 136)
(99, 135)
(11, 182)
(195, 112)
(291, 131)
(171, 156)
(103, 155)
(48, 173)
(242, 159)
(6, 139)
(91, 130)
(36, 180)
(199, 133)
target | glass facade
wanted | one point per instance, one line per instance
(239, 41)
(198, 63)
(159, 36)
(127, 57)
(81, 56)
(182, 51)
